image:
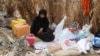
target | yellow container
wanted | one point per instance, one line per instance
(17, 21)
(21, 30)
(22, 20)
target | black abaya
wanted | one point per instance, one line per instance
(47, 34)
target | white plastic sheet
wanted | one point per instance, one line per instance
(42, 45)
(59, 28)
(84, 45)
(69, 45)
(66, 34)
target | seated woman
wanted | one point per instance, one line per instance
(40, 27)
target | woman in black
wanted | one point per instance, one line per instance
(40, 27)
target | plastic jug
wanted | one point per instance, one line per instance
(30, 39)
(20, 30)
(21, 21)
(17, 21)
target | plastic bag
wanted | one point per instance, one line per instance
(40, 45)
(66, 34)
(75, 25)
(67, 44)
(90, 37)
(81, 34)
(59, 28)
(84, 32)
(52, 46)
(96, 41)
(84, 45)
(52, 26)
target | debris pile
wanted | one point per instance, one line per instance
(16, 47)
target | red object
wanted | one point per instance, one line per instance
(86, 7)
(79, 27)
(67, 42)
(30, 39)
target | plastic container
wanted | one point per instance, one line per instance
(96, 42)
(17, 21)
(30, 39)
(20, 30)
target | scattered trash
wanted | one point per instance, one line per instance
(67, 42)
(29, 53)
(12, 53)
(7, 35)
(46, 52)
(85, 43)
(74, 26)
(2, 19)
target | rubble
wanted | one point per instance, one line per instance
(7, 46)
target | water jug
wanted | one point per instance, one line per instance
(30, 39)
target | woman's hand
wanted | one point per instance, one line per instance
(40, 31)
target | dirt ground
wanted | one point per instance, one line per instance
(91, 55)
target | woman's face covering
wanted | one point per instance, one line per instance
(42, 16)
